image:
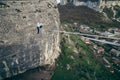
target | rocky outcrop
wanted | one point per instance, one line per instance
(93, 4)
(112, 12)
(21, 48)
(108, 3)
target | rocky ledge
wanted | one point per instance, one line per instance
(21, 48)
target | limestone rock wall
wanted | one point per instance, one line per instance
(93, 4)
(21, 48)
(89, 3)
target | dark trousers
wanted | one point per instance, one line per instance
(38, 30)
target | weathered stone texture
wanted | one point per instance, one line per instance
(21, 48)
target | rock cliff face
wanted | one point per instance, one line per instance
(21, 48)
(93, 4)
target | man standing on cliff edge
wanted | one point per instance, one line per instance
(39, 26)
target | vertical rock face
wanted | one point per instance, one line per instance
(63, 2)
(93, 4)
(21, 48)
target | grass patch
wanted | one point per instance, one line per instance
(83, 66)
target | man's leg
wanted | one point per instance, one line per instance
(37, 30)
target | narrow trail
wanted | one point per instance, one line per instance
(103, 41)
(88, 36)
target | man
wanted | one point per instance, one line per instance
(39, 25)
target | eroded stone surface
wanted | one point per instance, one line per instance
(21, 48)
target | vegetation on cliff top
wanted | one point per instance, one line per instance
(84, 15)
(77, 62)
